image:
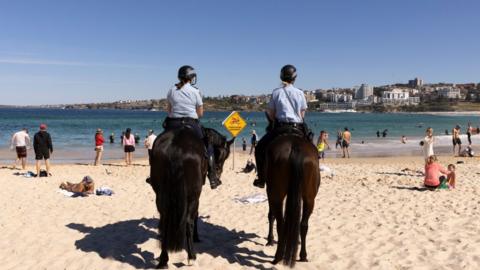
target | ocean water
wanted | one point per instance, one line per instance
(73, 130)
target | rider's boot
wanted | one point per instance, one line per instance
(212, 174)
(259, 181)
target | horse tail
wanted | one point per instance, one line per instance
(292, 212)
(175, 204)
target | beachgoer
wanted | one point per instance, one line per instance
(185, 107)
(149, 143)
(249, 167)
(99, 140)
(112, 138)
(346, 139)
(20, 142)
(339, 139)
(467, 152)
(428, 144)
(322, 144)
(244, 144)
(286, 108)
(128, 146)
(86, 186)
(456, 140)
(433, 173)
(451, 176)
(446, 132)
(122, 136)
(404, 139)
(469, 133)
(378, 133)
(253, 141)
(43, 147)
(137, 138)
(384, 133)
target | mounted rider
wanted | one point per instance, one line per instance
(185, 107)
(286, 112)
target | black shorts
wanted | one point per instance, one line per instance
(42, 154)
(456, 141)
(21, 151)
(129, 148)
(345, 144)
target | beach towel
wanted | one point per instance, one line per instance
(28, 174)
(71, 194)
(104, 190)
(257, 198)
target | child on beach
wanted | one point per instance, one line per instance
(321, 144)
(451, 176)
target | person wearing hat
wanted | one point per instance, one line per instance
(99, 140)
(149, 144)
(43, 147)
(287, 107)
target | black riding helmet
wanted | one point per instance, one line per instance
(187, 73)
(288, 73)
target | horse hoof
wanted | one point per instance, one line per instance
(162, 266)
(303, 260)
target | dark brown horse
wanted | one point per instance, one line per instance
(292, 171)
(178, 171)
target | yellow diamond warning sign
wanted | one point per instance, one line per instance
(234, 123)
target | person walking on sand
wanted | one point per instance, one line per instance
(244, 144)
(469, 133)
(128, 146)
(253, 141)
(339, 139)
(99, 140)
(428, 144)
(43, 147)
(20, 141)
(346, 139)
(456, 140)
(149, 144)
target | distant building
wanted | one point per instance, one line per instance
(415, 83)
(399, 97)
(364, 92)
(448, 92)
(339, 98)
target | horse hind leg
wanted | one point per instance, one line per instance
(163, 263)
(271, 220)
(196, 238)
(191, 253)
(307, 211)
(277, 213)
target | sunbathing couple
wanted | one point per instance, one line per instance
(435, 174)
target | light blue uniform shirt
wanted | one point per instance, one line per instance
(184, 101)
(284, 110)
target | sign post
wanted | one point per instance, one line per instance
(234, 123)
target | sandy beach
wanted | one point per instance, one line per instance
(368, 215)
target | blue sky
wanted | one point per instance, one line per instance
(89, 51)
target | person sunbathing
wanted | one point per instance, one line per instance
(86, 186)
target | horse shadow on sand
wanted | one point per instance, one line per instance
(119, 241)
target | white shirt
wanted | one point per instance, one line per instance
(20, 139)
(149, 141)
